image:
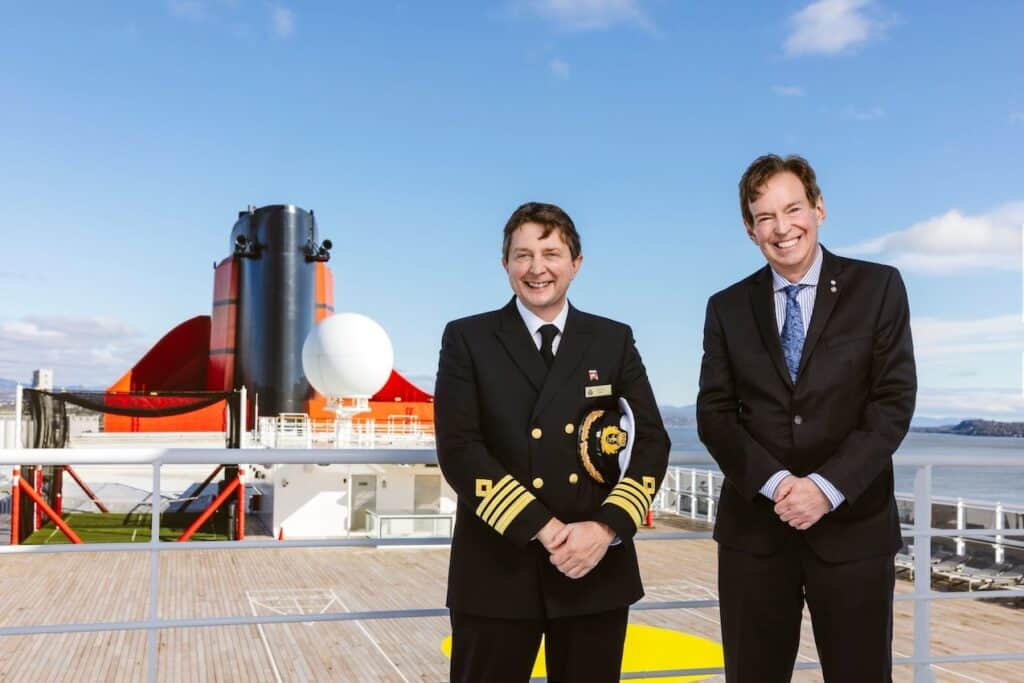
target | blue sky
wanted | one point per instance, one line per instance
(134, 132)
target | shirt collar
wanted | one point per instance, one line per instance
(810, 279)
(534, 323)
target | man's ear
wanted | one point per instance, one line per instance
(576, 264)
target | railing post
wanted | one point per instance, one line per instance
(711, 493)
(243, 417)
(16, 506)
(922, 573)
(693, 493)
(961, 523)
(1000, 548)
(19, 406)
(154, 575)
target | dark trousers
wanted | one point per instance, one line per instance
(761, 604)
(583, 649)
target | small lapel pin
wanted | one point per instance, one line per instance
(592, 375)
(833, 286)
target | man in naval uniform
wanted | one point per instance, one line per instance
(807, 387)
(541, 547)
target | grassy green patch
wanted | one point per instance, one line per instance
(96, 527)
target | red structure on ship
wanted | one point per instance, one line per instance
(267, 296)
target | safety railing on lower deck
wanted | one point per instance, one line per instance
(921, 660)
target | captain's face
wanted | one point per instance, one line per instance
(786, 225)
(540, 269)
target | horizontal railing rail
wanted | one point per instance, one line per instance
(922, 532)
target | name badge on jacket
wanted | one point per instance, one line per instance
(598, 390)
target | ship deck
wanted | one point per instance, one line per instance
(86, 587)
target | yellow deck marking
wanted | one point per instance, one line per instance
(649, 648)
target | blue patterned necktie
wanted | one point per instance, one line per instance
(793, 331)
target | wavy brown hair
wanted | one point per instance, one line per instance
(763, 169)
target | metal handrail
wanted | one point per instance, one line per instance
(922, 659)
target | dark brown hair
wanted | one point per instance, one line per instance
(763, 169)
(551, 218)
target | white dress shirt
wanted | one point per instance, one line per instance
(534, 323)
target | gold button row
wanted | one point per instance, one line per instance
(537, 433)
(539, 483)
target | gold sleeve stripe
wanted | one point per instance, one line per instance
(498, 504)
(641, 502)
(615, 499)
(493, 516)
(496, 492)
(640, 507)
(512, 512)
(635, 486)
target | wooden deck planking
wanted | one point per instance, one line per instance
(84, 587)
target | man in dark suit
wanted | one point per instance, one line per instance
(540, 547)
(807, 387)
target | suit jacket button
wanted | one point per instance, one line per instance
(536, 433)
(798, 420)
(538, 482)
(570, 428)
(573, 478)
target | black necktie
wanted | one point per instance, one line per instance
(547, 337)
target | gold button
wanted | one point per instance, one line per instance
(536, 433)
(570, 428)
(538, 482)
(573, 478)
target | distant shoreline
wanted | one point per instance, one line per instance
(977, 428)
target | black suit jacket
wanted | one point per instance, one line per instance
(506, 443)
(843, 418)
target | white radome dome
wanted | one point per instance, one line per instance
(348, 355)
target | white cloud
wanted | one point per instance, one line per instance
(938, 339)
(592, 15)
(953, 241)
(992, 404)
(788, 90)
(284, 22)
(92, 351)
(559, 69)
(870, 114)
(1017, 117)
(830, 27)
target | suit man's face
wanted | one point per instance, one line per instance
(786, 225)
(540, 269)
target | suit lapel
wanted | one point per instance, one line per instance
(824, 303)
(762, 300)
(516, 339)
(576, 339)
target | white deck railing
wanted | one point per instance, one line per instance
(922, 533)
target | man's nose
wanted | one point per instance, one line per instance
(536, 267)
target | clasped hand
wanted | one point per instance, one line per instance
(575, 548)
(800, 503)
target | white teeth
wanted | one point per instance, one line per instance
(537, 285)
(787, 243)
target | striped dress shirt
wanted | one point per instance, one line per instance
(805, 297)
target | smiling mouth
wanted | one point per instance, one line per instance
(538, 285)
(787, 244)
